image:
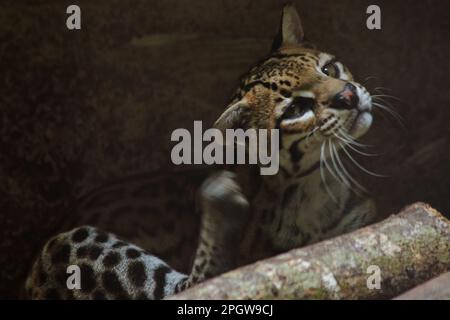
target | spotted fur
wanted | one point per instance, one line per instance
(109, 269)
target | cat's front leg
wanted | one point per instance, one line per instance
(224, 215)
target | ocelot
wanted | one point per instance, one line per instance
(130, 237)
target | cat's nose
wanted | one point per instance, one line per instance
(346, 99)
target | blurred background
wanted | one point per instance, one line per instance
(81, 108)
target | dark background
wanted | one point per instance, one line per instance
(81, 108)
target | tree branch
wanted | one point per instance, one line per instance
(408, 248)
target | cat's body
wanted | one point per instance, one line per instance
(240, 216)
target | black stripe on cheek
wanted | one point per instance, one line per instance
(296, 154)
(253, 84)
(160, 281)
(310, 170)
(285, 93)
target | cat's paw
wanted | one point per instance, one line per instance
(222, 193)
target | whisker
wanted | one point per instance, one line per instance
(388, 108)
(342, 138)
(361, 152)
(394, 114)
(350, 139)
(382, 88)
(356, 183)
(360, 166)
(343, 180)
(322, 174)
(310, 133)
(349, 144)
(386, 96)
(327, 166)
(369, 78)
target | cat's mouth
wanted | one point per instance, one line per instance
(361, 124)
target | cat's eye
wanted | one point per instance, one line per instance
(298, 108)
(331, 70)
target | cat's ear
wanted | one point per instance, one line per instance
(290, 31)
(232, 117)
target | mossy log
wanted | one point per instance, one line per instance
(434, 289)
(408, 248)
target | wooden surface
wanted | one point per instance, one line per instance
(408, 248)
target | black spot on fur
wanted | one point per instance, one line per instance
(95, 252)
(180, 286)
(98, 295)
(285, 93)
(160, 281)
(266, 85)
(80, 235)
(274, 86)
(82, 252)
(142, 296)
(253, 84)
(69, 295)
(112, 284)
(61, 277)
(88, 282)
(133, 253)
(101, 237)
(61, 255)
(202, 252)
(136, 273)
(111, 259)
(52, 294)
(202, 265)
(122, 296)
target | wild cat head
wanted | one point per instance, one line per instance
(308, 94)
